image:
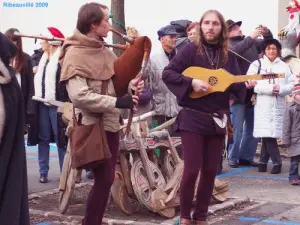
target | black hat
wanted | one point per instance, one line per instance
(166, 30)
(231, 23)
(271, 41)
(180, 25)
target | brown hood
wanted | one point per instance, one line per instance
(86, 57)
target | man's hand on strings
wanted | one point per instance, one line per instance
(199, 85)
(250, 84)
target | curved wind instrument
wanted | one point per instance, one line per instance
(129, 65)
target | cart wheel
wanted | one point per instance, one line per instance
(120, 196)
(169, 166)
(67, 183)
(141, 185)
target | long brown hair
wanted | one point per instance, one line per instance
(223, 39)
(19, 66)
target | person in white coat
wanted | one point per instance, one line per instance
(270, 103)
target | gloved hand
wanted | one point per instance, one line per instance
(124, 102)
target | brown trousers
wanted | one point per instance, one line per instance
(199, 152)
(104, 176)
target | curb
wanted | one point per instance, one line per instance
(230, 203)
(227, 205)
(40, 194)
(79, 218)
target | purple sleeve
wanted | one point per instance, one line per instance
(237, 89)
(145, 96)
(172, 76)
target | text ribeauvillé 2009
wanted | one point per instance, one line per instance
(28, 4)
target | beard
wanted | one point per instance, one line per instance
(212, 38)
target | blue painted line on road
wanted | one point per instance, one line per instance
(43, 224)
(36, 157)
(244, 218)
(267, 221)
(238, 173)
(234, 172)
(35, 148)
(280, 222)
(261, 177)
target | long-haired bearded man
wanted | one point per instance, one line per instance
(202, 137)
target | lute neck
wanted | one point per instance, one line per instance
(244, 78)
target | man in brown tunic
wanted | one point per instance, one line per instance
(202, 139)
(88, 66)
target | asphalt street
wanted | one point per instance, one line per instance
(33, 170)
(275, 201)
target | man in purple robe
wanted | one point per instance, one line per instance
(202, 137)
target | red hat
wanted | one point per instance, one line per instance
(293, 7)
(54, 32)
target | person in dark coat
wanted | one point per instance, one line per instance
(13, 170)
(242, 150)
(198, 122)
(182, 36)
(35, 59)
(49, 125)
(192, 33)
(22, 65)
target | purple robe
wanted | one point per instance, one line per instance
(193, 117)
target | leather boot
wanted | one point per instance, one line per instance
(276, 169)
(43, 178)
(262, 168)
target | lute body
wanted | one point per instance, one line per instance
(219, 80)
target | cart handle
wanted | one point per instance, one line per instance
(141, 117)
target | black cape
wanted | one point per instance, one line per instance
(13, 170)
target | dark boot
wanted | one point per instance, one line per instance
(276, 169)
(262, 168)
(43, 178)
(233, 164)
(89, 175)
(243, 162)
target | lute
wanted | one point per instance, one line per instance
(219, 80)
